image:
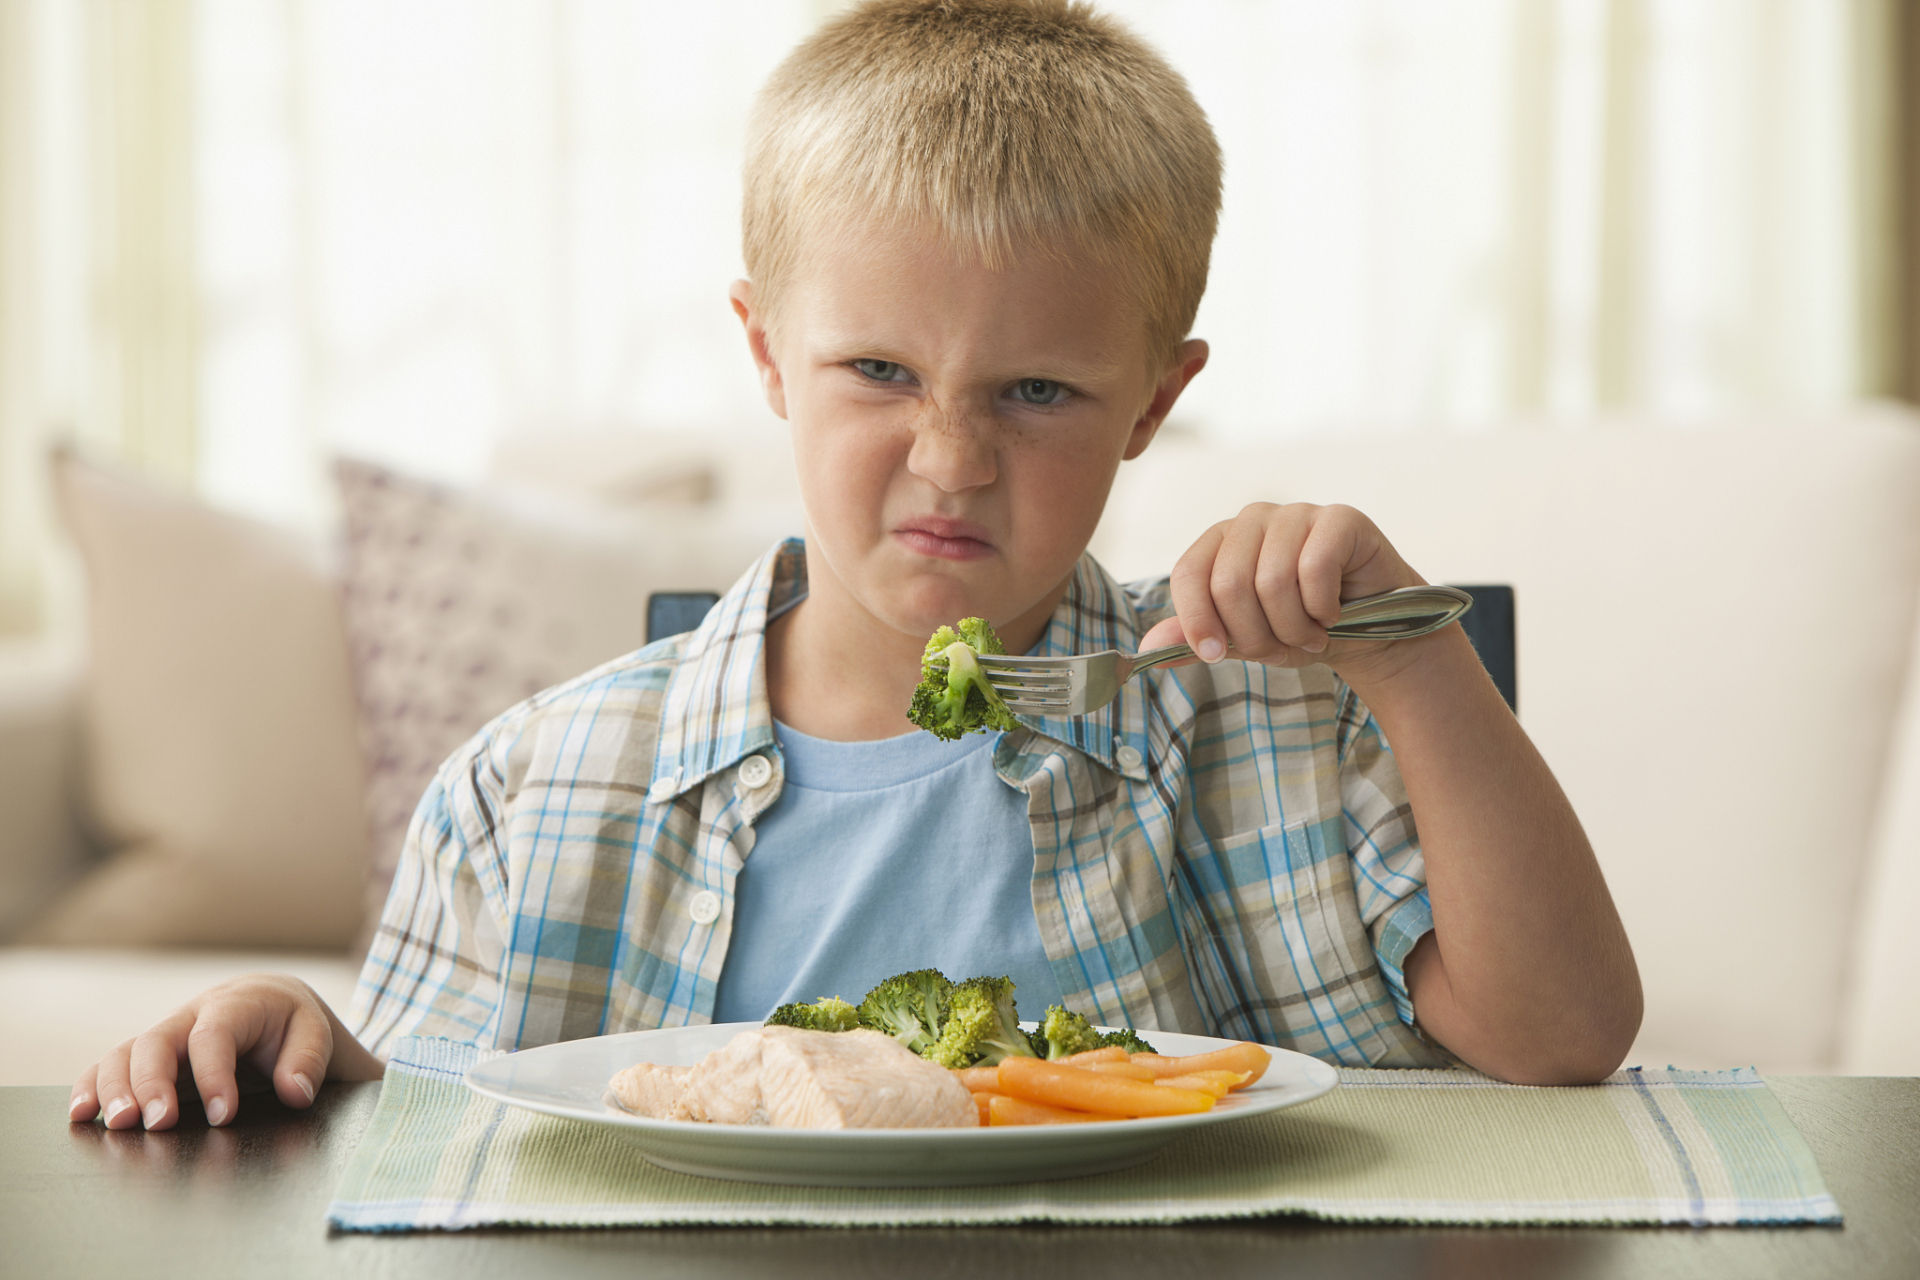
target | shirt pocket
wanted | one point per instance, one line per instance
(1273, 938)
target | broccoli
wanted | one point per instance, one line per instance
(910, 1007)
(982, 1026)
(1063, 1033)
(1128, 1040)
(829, 1013)
(954, 697)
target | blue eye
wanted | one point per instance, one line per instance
(1039, 391)
(881, 370)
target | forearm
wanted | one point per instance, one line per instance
(1528, 974)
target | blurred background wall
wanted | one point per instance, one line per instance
(238, 235)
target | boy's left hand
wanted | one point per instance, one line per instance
(1269, 582)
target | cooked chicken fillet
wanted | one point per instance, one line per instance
(794, 1079)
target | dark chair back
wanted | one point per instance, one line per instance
(671, 612)
(1489, 626)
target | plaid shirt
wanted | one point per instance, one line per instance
(1222, 849)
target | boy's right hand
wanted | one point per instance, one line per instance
(272, 1022)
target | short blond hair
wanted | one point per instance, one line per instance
(1001, 124)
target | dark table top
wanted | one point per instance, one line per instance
(77, 1200)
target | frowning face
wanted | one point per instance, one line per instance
(956, 429)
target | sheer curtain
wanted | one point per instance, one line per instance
(416, 224)
(99, 294)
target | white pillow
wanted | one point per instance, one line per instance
(461, 603)
(222, 768)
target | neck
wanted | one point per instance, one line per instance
(836, 671)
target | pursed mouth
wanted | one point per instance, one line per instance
(945, 539)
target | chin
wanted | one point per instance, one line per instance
(920, 606)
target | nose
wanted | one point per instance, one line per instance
(953, 450)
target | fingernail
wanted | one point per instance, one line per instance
(216, 1111)
(1210, 650)
(117, 1106)
(1318, 646)
(154, 1111)
(304, 1085)
(73, 1108)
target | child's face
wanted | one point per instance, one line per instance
(956, 429)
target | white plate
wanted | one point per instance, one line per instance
(570, 1080)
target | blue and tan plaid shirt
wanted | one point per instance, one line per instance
(1225, 850)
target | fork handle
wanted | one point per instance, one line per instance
(1391, 615)
(1400, 615)
(1155, 657)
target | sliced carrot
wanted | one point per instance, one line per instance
(974, 1079)
(1217, 1083)
(1078, 1089)
(1111, 1053)
(1244, 1056)
(983, 1099)
(1124, 1069)
(1006, 1110)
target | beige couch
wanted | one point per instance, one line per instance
(1716, 626)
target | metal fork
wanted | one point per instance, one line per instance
(1086, 682)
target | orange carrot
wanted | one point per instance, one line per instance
(1112, 1053)
(1077, 1089)
(1124, 1069)
(983, 1099)
(1006, 1110)
(974, 1079)
(1217, 1083)
(1244, 1056)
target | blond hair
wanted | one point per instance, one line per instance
(1000, 124)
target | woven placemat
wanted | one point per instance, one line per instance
(1644, 1147)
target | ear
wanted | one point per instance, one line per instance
(740, 293)
(1192, 358)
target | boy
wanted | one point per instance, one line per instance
(977, 232)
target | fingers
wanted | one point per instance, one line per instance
(304, 1055)
(1269, 582)
(1191, 583)
(83, 1103)
(115, 1090)
(275, 1023)
(1166, 632)
(1239, 586)
(153, 1065)
(1332, 550)
(213, 1052)
(279, 1026)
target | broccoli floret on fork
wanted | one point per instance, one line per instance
(954, 697)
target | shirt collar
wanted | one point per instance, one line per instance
(716, 709)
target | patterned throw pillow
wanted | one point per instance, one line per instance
(461, 603)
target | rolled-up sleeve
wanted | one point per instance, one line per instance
(1389, 873)
(434, 964)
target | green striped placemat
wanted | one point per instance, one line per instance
(1644, 1147)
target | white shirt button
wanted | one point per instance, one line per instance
(756, 770)
(1127, 758)
(704, 907)
(664, 788)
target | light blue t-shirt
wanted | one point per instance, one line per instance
(880, 857)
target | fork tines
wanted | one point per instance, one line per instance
(1034, 685)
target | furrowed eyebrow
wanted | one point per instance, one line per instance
(853, 346)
